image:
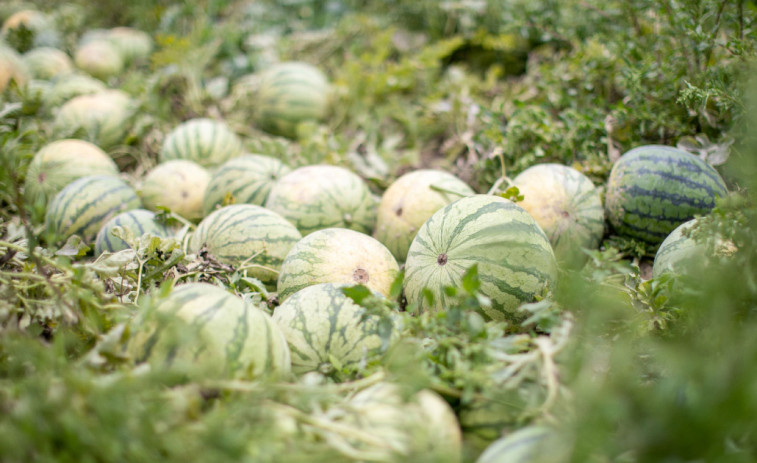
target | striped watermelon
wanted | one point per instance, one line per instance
(203, 329)
(337, 255)
(85, 204)
(101, 118)
(322, 325)
(566, 205)
(61, 162)
(37, 23)
(407, 427)
(410, 201)
(67, 86)
(99, 59)
(246, 179)
(133, 45)
(683, 255)
(137, 221)
(515, 260)
(288, 94)
(178, 185)
(249, 235)
(532, 444)
(207, 142)
(47, 62)
(653, 189)
(323, 196)
(12, 68)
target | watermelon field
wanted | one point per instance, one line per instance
(472, 231)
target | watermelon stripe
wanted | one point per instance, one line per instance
(677, 164)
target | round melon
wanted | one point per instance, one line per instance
(249, 235)
(514, 258)
(288, 94)
(532, 444)
(410, 201)
(207, 142)
(246, 179)
(47, 62)
(43, 32)
(567, 206)
(178, 185)
(408, 427)
(67, 86)
(323, 196)
(137, 221)
(59, 163)
(681, 254)
(323, 326)
(653, 189)
(337, 255)
(85, 204)
(12, 68)
(100, 59)
(202, 329)
(101, 118)
(134, 45)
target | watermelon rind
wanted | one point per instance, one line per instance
(321, 324)
(101, 118)
(204, 331)
(177, 185)
(137, 221)
(337, 255)
(653, 189)
(64, 87)
(85, 204)
(246, 234)
(247, 179)
(46, 62)
(323, 196)
(514, 257)
(205, 141)
(100, 59)
(410, 201)
(531, 444)
(12, 68)
(567, 207)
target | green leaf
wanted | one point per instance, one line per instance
(357, 293)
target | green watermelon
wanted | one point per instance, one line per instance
(246, 179)
(653, 189)
(41, 27)
(59, 163)
(410, 201)
(515, 260)
(47, 62)
(134, 45)
(680, 254)
(12, 68)
(245, 234)
(85, 204)
(323, 326)
(337, 255)
(100, 59)
(203, 329)
(323, 196)
(138, 221)
(288, 94)
(207, 142)
(566, 205)
(178, 185)
(102, 118)
(67, 86)
(532, 444)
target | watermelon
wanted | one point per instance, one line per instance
(249, 235)
(653, 189)
(12, 68)
(67, 86)
(133, 45)
(85, 204)
(178, 185)
(288, 94)
(204, 331)
(532, 444)
(418, 426)
(515, 260)
(47, 62)
(566, 205)
(43, 33)
(680, 254)
(323, 326)
(100, 59)
(246, 179)
(207, 142)
(410, 201)
(59, 163)
(101, 118)
(137, 221)
(337, 255)
(323, 196)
